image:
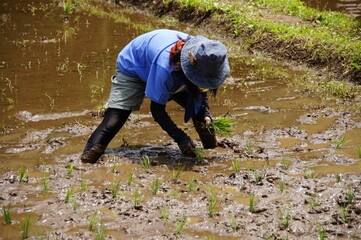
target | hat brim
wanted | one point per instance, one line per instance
(194, 75)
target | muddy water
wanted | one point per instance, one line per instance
(55, 70)
(346, 6)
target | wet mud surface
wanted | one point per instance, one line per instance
(291, 170)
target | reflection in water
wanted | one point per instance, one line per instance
(347, 6)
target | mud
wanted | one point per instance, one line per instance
(311, 203)
(282, 156)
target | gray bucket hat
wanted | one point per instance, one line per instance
(205, 62)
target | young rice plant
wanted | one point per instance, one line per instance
(223, 125)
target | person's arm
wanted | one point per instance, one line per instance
(160, 115)
(204, 114)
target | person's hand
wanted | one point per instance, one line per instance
(207, 121)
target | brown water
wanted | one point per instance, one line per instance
(352, 7)
(57, 67)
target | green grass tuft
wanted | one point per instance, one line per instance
(236, 165)
(68, 7)
(252, 202)
(136, 197)
(25, 228)
(223, 125)
(179, 227)
(199, 154)
(115, 190)
(154, 187)
(22, 172)
(7, 214)
(339, 142)
(93, 222)
(146, 162)
(68, 194)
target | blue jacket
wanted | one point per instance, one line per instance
(147, 57)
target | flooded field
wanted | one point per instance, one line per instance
(346, 6)
(291, 170)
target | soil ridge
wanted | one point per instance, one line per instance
(325, 60)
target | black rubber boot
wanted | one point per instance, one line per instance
(207, 135)
(113, 121)
(186, 146)
(93, 154)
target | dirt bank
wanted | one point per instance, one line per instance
(324, 57)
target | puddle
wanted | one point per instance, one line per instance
(321, 125)
(54, 71)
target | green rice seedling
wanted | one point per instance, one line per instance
(199, 154)
(350, 195)
(179, 227)
(344, 214)
(100, 233)
(310, 173)
(22, 171)
(338, 177)
(68, 7)
(234, 224)
(130, 178)
(45, 184)
(252, 202)
(93, 222)
(258, 176)
(164, 213)
(83, 185)
(321, 232)
(175, 194)
(313, 202)
(223, 125)
(285, 218)
(25, 228)
(70, 169)
(136, 198)
(339, 142)
(249, 147)
(212, 203)
(236, 165)
(358, 151)
(115, 190)
(270, 236)
(114, 166)
(146, 162)
(177, 173)
(154, 187)
(285, 163)
(68, 194)
(75, 205)
(282, 185)
(7, 214)
(191, 184)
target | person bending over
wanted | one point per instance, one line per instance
(163, 65)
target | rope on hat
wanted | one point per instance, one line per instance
(177, 47)
(192, 58)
